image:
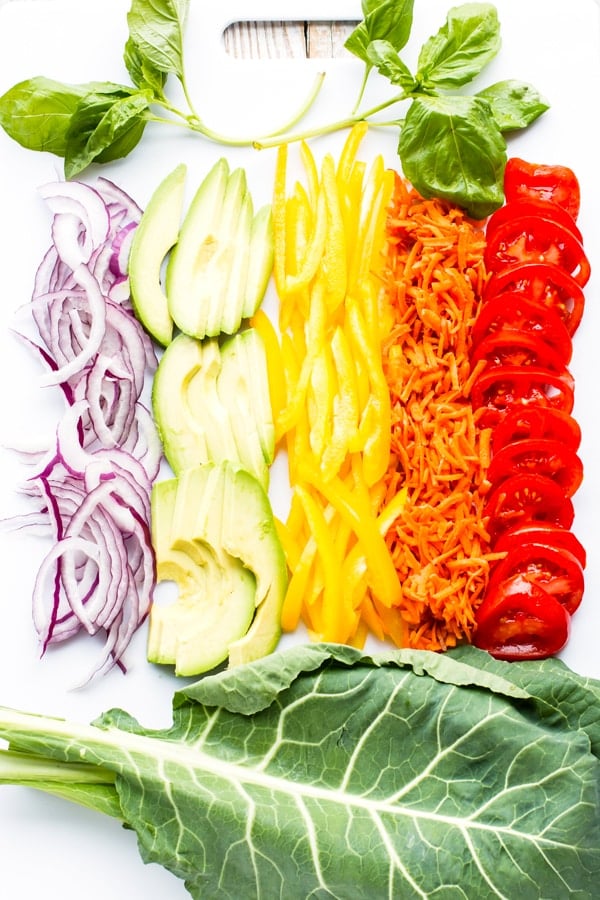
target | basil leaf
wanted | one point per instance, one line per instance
(390, 20)
(386, 60)
(104, 127)
(143, 73)
(461, 48)
(452, 148)
(37, 113)
(156, 28)
(514, 104)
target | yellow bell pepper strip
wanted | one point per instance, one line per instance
(336, 419)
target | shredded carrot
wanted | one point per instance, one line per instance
(434, 280)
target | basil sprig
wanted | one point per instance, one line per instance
(451, 143)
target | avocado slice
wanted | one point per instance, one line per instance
(153, 238)
(218, 271)
(211, 403)
(215, 520)
(243, 386)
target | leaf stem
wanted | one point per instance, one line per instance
(339, 125)
(195, 123)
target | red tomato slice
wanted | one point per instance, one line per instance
(516, 312)
(501, 388)
(525, 499)
(523, 179)
(532, 206)
(529, 239)
(539, 533)
(524, 422)
(544, 456)
(508, 347)
(520, 620)
(555, 569)
(544, 284)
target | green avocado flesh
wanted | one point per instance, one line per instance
(152, 240)
(215, 536)
(210, 401)
(218, 270)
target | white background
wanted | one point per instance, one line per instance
(53, 849)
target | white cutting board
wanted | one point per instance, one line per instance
(47, 847)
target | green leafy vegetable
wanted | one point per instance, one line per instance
(101, 122)
(462, 47)
(437, 129)
(322, 771)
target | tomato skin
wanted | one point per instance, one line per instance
(539, 533)
(555, 183)
(542, 283)
(520, 620)
(555, 569)
(508, 347)
(532, 206)
(501, 388)
(534, 422)
(525, 499)
(545, 456)
(516, 313)
(528, 239)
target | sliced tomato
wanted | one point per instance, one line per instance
(537, 422)
(501, 388)
(532, 206)
(515, 312)
(518, 619)
(544, 284)
(529, 239)
(555, 569)
(525, 499)
(544, 456)
(508, 347)
(529, 180)
(540, 533)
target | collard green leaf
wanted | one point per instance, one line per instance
(387, 62)
(37, 113)
(402, 775)
(389, 20)
(468, 40)
(514, 104)
(105, 126)
(156, 27)
(452, 148)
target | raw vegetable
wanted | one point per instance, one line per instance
(451, 144)
(210, 401)
(559, 184)
(152, 241)
(215, 536)
(535, 250)
(90, 490)
(335, 419)
(220, 799)
(218, 270)
(434, 277)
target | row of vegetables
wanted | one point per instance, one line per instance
(532, 306)
(369, 544)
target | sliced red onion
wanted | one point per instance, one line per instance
(81, 220)
(92, 488)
